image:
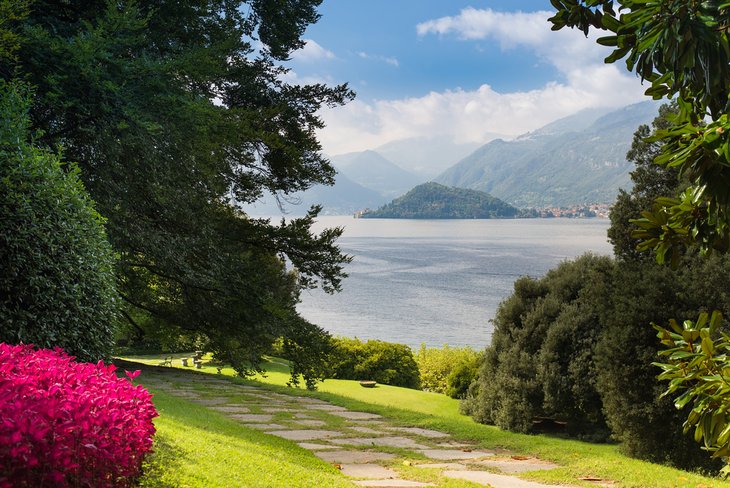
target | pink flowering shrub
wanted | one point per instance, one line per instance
(69, 424)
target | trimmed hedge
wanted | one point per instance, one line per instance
(57, 286)
(385, 362)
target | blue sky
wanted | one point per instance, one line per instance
(465, 70)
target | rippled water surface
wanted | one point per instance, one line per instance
(440, 281)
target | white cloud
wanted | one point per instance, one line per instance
(474, 116)
(312, 52)
(384, 59)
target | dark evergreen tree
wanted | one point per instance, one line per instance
(177, 113)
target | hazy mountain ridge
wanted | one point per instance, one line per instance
(371, 170)
(575, 160)
(550, 167)
(427, 157)
(344, 198)
(435, 201)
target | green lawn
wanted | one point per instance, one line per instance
(197, 447)
(418, 408)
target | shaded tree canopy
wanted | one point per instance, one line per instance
(177, 113)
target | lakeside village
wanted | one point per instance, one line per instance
(593, 210)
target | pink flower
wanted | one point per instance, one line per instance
(64, 423)
(132, 375)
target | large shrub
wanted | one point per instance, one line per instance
(577, 346)
(57, 283)
(71, 424)
(539, 362)
(447, 369)
(384, 362)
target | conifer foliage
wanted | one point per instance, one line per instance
(177, 114)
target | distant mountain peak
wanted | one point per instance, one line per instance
(575, 160)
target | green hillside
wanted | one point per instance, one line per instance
(434, 201)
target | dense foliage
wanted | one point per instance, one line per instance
(434, 201)
(697, 355)
(448, 370)
(385, 362)
(682, 48)
(69, 424)
(567, 347)
(57, 285)
(539, 363)
(177, 113)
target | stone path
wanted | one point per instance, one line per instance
(364, 446)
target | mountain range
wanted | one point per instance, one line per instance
(578, 159)
(575, 160)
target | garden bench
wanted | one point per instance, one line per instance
(167, 361)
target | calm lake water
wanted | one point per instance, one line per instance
(440, 281)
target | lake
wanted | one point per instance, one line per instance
(439, 281)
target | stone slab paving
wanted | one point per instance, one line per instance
(211, 401)
(442, 466)
(365, 430)
(265, 426)
(457, 460)
(259, 396)
(496, 480)
(312, 446)
(431, 434)
(373, 424)
(393, 441)
(454, 445)
(350, 415)
(325, 406)
(392, 483)
(306, 435)
(353, 457)
(309, 422)
(311, 401)
(453, 454)
(253, 417)
(269, 405)
(368, 471)
(231, 409)
(184, 394)
(517, 465)
(276, 409)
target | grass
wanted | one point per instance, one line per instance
(197, 447)
(430, 410)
